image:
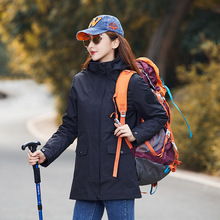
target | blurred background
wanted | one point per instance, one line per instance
(40, 55)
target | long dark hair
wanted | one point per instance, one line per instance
(123, 51)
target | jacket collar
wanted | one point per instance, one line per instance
(110, 69)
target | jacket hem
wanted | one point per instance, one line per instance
(105, 198)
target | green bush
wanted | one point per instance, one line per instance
(200, 103)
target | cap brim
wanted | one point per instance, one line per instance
(92, 31)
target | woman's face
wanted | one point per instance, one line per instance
(104, 51)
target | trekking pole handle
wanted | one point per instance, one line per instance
(31, 145)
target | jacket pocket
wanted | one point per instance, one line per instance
(82, 149)
(111, 148)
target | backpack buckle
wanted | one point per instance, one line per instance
(174, 145)
(168, 133)
(123, 114)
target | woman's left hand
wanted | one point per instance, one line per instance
(124, 131)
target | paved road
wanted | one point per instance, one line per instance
(182, 195)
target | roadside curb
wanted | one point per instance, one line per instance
(196, 177)
(44, 126)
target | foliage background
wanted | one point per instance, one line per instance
(37, 40)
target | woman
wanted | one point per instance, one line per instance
(88, 118)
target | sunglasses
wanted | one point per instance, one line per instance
(94, 38)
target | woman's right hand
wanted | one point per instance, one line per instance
(35, 157)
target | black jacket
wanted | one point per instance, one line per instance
(88, 118)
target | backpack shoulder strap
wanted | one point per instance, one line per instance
(121, 100)
(121, 89)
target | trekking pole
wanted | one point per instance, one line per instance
(33, 147)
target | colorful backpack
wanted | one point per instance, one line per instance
(158, 156)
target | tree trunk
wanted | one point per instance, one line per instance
(162, 40)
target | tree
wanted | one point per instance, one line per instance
(162, 40)
(3, 60)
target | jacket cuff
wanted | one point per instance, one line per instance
(137, 136)
(46, 154)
